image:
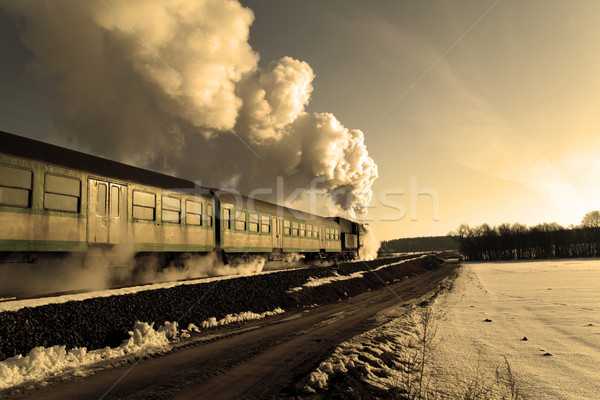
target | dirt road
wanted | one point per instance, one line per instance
(264, 359)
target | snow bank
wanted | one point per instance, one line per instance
(44, 362)
(377, 353)
(401, 357)
(313, 282)
(244, 316)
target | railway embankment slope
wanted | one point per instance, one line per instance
(99, 322)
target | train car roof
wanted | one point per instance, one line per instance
(261, 206)
(36, 150)
(39, 151)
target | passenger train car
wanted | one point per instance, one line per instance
(55, 201)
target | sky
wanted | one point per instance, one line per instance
(429, 114)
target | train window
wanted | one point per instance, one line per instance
(253, 224)
(327, 234)
(15, 186)
(316, 232)
(309, 231)
(240, 220)
(287, 227)
(171, 209)
(294, 228)
(144, 205)
(62, 193)
(226, 218)
(115, 193)
(302, 229)
(101, 201)
(209, 215)
(265, 224)
(193, 213)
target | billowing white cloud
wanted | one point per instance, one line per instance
(193, 52)
(175, 86)
(339, 156)
(273, 98)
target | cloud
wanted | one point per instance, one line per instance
(175, 86)
(273, 98)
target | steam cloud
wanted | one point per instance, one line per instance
(175, 86)
(370, 245)
(103, 269)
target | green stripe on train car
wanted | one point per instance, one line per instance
(41, 245)
(241, 249)
(300, 250)
(172, 247)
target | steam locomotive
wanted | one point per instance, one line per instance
(55, 201)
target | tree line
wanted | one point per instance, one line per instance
(419, 244)
(517, 241)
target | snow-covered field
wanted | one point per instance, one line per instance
(554, 304)
(477, 336)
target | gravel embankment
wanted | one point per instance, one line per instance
(100, 322)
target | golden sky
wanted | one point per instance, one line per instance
(480, 111)
(504, 128)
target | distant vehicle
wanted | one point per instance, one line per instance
(55, 201)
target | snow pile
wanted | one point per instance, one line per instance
(313, 282)
(42, 362)
(377, 354)
(244, 316)
(45, 362)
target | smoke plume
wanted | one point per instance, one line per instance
(370, 245)
(174, 86)
(103, 269)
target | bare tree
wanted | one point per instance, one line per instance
(591, 220)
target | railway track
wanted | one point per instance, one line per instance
(342, 268)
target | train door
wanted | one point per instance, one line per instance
(107, 212)
(277, 236)
(322, 236)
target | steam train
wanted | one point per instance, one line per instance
(55, 201)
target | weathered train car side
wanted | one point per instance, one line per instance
(163, 220)
(56, 200)
(42, 207)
